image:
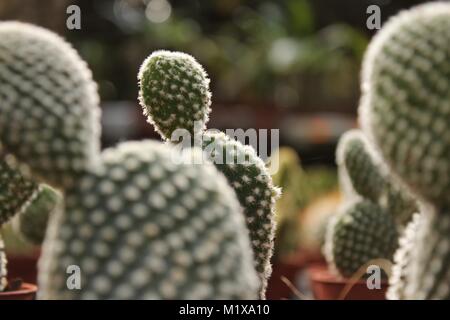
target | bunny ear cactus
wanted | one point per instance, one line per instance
(15, 191)
(406, 99)
(368, 178)
(375, 204)
(405, 109)
(18, 197)
(32, 222)
(361, 232)
(49, 116)
(174, 93)
(248, 176)
(136, 223)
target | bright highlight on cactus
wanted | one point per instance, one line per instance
(138, 225)
(360, 233)
(174, 93)
(406, 111)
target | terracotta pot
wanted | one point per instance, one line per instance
(26, 292)
(23, 266)
(326, 286)
(289, 268)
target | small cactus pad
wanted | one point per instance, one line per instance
(402, 259)
(3, 271)
(368, 177)
(406, 99)
(248, 176)
(360, 233)
(32, 222)
(15, 191)
(142, 227)
(174, 92)
(49, 103)
(354, 157)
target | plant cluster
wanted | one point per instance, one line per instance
(138, 224)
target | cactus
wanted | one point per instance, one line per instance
(174, 94)
(15, 191)
(3, 270)
(18, 197)
(32, 222)
(43, 128)
(174, 91)
(406, 99)
(368, 178)
(366, 182)
(361, 232)
(405, 109)
(137, 224)
(353, 156)
(402, 259)
(181, 237)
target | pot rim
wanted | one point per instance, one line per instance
(26, 288)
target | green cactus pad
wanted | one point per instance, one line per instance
(15, 191)
(141, 227)
(368, 177)
(248, 176)
(49, 104)
(3, 270)
(174, 92)
(354, 156)
(406, 99)
(32, 222)
(360, 233)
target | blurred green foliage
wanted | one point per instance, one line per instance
(257, 52)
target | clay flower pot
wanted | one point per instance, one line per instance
(23, 266)
(289, 268)
(327, 286)
(26, 292)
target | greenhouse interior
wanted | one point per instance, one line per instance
(224, 150)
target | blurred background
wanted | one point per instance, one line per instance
(287, 64)
(291, 65)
